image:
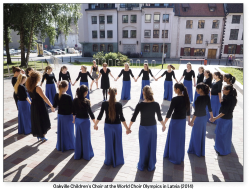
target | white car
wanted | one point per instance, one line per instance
(4, 52)
(46, 52)
(33, 51)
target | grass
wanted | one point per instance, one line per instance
(237, 73)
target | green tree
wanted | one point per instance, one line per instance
(6, 31)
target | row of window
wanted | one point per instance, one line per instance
(101, 19)
(201, 24)
(103, 47)
(197, 51)
(199, 38)
(165, 18)
(232, 49)
(155, 48)
(102, 34)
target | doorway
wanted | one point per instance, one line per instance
(211, 53)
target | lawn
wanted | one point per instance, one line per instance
(237, 73)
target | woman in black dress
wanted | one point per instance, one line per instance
(104, 72)
(40, 122)
(16, 71)
(200, 78)
(94, 72)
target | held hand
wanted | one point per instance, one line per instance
(73, 121)
(96, 127)
(163, 128)
(194, 85)
(221, 100)
(212, 119)
(191, 124)
(53, 109)
(128, 131)
(156, 79)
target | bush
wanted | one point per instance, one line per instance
(87, 54)
(100, 57)
(122, 58)
(105, 58)
(109, 56)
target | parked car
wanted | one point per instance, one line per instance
(53, 52)
(61, 52)
(17, 51)
(4, 52)
(45, 52)
(33, 51)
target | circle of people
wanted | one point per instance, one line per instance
(209, 105)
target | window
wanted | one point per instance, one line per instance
(241, 49)
(92, 6)
(125, 33)
(102, 34)
(124, 18)
(109, 19)
(188, 39)
(95, 47)
(201, 23)
(189, 24)
(212, 9)
(165, 18)
(199, 39)
(155, 48)
(132, 33)
(215, 24)
(147, 18)
(236, 19)
(147, 33)
(110, 47)
(133, 19)
(102, 47)
(166, 34)
(157, 4)
(122, 5)
(214, 38)
(94, 34)
(186, 51)
(234, 34)
(102, 19)
(156, 17)
(155, 33)
(110, 33)
(147, 48)
(94, 19)
(231, 49)
(199, 52)
(165, 48)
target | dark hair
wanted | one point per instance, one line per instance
(183, 89)
(63, 67)
(148, 93)
(209, 74)
(202, 68)
(204, 87)
(32, 81)
(219, 75)
(112, 100)
(28, 70)
(62, 84)
(230, 77)
(233, 92)
(80, 91)
(172, 67)
(15, 69)
(46, 69)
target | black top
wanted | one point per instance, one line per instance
(216, 87)
(119, 114)
(126, 74)
(64, 104)
(145, 75)
(200, 105)
(22, 93)
(50, 78)
(227, 107)
(188, 75)
(82, 110)
(105, 79)
(200, 78)
(148, 110)
(178, 106)
(95, 68)
(168, 75)
(64, 76)
(208, 81)
(84, 76)
(13, 81)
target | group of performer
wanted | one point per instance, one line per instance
(208, 103)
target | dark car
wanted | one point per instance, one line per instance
(53, 52)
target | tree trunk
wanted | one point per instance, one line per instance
(23, 64)
(6, 39)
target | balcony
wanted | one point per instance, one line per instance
(100, 6)
(157, 5)
(129, 6)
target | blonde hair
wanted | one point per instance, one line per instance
(62, 84)
(126, 64)
(189, 64)
(84, 67)
(104, 63)
(148, 93)
(18, 82)
(32, 81)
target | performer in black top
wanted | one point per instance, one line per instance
(175, 144)
(208, 77)
(145, 78)
(64, 75)
(113, 129)
(223, 140)
(200, 78)
(168, 84)
(189, 73)
(147, 130)
(16, 71)
(28, 71)
(199, 121)
(229, 79)
(126, 86)
(94, 72)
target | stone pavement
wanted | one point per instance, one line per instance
(28, 160)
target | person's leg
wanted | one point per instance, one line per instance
(103, 92)
(106, 94)
(91, 85)
(96, 83)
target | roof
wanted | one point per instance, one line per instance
(234, 7)
(199, 10)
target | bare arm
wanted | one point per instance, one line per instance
(159, 77)
(127, 128)
(111, 75)
(44, 97)
(194, 82)
(220, 97)
(28, 100)
(181, 78)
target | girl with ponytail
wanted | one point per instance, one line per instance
(180, 106)
(27, 72)
(200, 78)
(223, 140)
(16, 71)
(65, 127)
(113, 129)
(168, 84)
(148, 129)
(64, 75)
(81, 113)
(229, 79)
(199, 121)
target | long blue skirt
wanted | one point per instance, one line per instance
(208, 114)
(113, 144)
(50, 92)
(87, 84)
(168, 90)
(223, 139)
(175, 144)
(188, 85)
(24, 117)
(83, 147)
(195, 97)
(144, 83)
(198, 136)
(69, 92)
(65, 133)
(148, 144)
(215, 105)
(126, 87)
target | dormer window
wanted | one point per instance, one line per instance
(212, 7)
(185, 7)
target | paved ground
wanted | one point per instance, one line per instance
(28, 160)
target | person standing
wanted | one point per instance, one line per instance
(200, 78)
(208, 77)
(168, 84)
(28, 71)
(230, 59)
(229, 79)
(175, 144)
(126, 86)
(148, 129)
(113, 129)
(16, 71)
(64, 75)
(94, 72)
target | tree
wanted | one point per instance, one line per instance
(6, 31)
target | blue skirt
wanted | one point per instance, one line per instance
(83, 147)
(24, 117)
(198, 136)
(50, 92)
(69, 92)
(188, 85)
(168, 90)
(65, 133)
(195, 97)
(208, 114)
(148, 144)
(87, 84)
(126, 87)
(113, 144)
(175, 144)
(223, 139)
(144, 83)
(215, 105)
(28, 96)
